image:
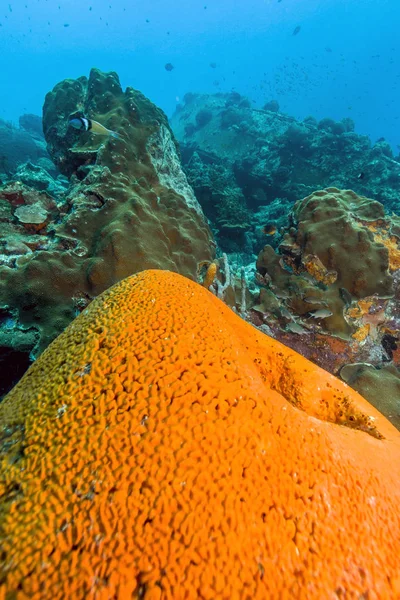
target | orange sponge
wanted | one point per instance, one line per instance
(162, 448)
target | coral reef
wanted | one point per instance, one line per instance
(164, 448)
(263, 155)
(17, 146)
(128, 206)
(333, 253)
(330, 289)
(42, 177)
(32, 124)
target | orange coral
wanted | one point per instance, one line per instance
(161, 447)
(317, 269)
(362, 332)
(392, 244)
(210, 274)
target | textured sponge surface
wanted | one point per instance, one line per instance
(161, 447)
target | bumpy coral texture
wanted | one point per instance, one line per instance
(338, 241)
(128, 208)
(163, 448)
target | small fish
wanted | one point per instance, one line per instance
(361, 175)
(269, 229)
(328, 49)
(345, 296)
(296, 328)
(285, 313)
(169, 67)
(282, 295)
(66, 24)
(85, 124)
(296, 30)
(213, 65)
(322, 313)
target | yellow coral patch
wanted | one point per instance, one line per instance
(392, 244)
(362, 332)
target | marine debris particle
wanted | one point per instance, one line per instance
(169, 67)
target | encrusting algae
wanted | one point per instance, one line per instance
(161, 447)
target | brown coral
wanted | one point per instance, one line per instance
(164, 448)
(129, 207)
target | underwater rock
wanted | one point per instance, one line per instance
(128, 207)
(268, 155)
(381, 387)
(37, 176)
(18, 146)
(32, 124)
(203, 117)
(336, 274)
(272, 105)
(164, 448)
(33, 214)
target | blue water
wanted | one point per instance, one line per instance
(344, 62)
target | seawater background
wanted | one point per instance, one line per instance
(345, 61)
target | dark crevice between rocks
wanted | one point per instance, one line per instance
(13, 364)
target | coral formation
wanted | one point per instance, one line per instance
(18, 145)
(333, 253)
(381, 387)
(163, 448)
(265, 155)
(334, 274)
(42, 176)
(128, 206)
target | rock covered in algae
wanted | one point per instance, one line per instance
(128, 207)
(380, 386)
(331, 290)
(266, 156)
(161, 447)
(340, 249)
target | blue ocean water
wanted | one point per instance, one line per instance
(343, 61)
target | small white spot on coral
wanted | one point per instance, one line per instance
(61, 411)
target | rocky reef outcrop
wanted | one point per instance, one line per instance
(127, 207)
(331, 288)
(19, 145)
(248, 166)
